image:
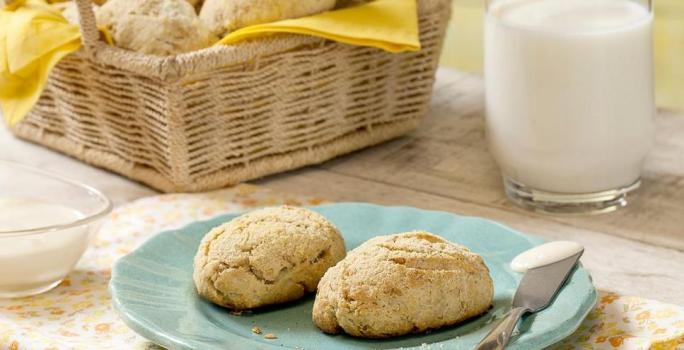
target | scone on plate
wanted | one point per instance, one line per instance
(403, 283)
(225, 16)
(265, 257)
(156, 27)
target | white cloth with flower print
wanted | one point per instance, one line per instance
(78, 313)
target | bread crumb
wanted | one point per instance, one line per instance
(270, 336)
(236, 313)
(256, 330)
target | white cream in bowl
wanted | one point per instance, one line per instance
(34, 262)
(46, 222)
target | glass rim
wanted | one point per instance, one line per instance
(487, 4)
(102, 212)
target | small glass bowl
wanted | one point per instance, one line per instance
(46, 223)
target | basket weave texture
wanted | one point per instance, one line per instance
(227, 114)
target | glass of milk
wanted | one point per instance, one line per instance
(570, 103)
(45, 226)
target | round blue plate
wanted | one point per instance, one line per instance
(152, 289)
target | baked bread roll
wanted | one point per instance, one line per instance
(399, 284)
(225, 16)
(70, 12)
(265, 257)
(156, 27)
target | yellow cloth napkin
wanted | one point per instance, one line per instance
(34, 37)
(391, 25)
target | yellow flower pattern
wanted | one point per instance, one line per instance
(629, 323)
(78, 313)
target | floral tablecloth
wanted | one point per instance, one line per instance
(78, 313)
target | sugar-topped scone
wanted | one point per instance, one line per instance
(265, 257)
(225, 16)
(157, 27)
(403, 283)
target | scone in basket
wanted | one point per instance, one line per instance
(226, 114)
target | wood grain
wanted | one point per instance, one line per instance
(444, 166)
(616, 264)
(447, 156)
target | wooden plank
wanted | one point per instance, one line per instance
(444, 166)
(448, 156)
(616, 264)
(119, 189)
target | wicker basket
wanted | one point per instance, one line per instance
(226, 114)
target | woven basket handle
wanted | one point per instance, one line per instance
(89, 33)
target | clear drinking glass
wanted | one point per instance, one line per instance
(570, 100)
(46, 222)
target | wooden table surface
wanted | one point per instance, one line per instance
(444, 165)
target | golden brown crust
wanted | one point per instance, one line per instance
(399, 284)
(157, 27)
(268, 256)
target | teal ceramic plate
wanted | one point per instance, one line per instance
(153, 291)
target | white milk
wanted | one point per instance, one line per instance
(36, 261)
(569, 92)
